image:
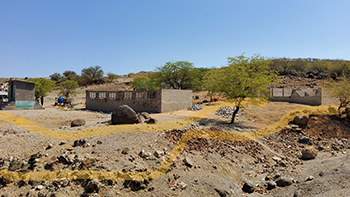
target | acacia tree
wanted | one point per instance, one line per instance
(207, 81)
(42, 87)
(340, 90)
(95, 72)
(177, 75)
(70, 75)
(55, 77)
(111, 76)
(68, 88)
(243, 78)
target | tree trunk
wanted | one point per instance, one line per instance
(234, 115)
(42, 101)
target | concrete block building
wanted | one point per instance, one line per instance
(21, 95)
(148, 101)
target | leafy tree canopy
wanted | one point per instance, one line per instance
(56, 76)
(68, 88)
(70, 75)
(143, 83)
(94, 72)
(43, 86)
(177, 75)
(243, 78)
(111, 76)
(341, 90)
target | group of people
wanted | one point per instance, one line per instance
(59, 101)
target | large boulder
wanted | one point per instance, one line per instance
(309, 153)
(301, 120)
(125, 115)
(77, 123)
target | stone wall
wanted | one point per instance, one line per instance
(313, 97)
(149, 101)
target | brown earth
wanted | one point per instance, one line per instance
(205, 167)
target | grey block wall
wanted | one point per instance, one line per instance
(149, 101)
(176, 99)
(313, 97)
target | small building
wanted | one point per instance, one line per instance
(21, 95)
(313, 97)
(148, 101)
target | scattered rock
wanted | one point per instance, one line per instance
(309, 153)
(136, 185)
(124, 115)
(310, 178)
(79, 142)
(152, 121)
(52, 161)
(277, 159)
(248, 187)
(271, 185)
(158, 153)
(343, 116)
(284, 181)
(77, 123)
(188, 162)
(39, 187)
(125, 151)
(195, 107)
(142, 118)
(146, 115)
(143, 154)
(183, 185)
(305, 140)
(93, 186)
(49, 146)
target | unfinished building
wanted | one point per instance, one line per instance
(149, 101)
(313, 97)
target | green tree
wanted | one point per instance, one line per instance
(95, 72)
(68, 88)
(208, 82)
(42, 87)
(143, 83)
(177, 75)
(56, 77)
(341, 90)
(85, 79)
(70, 75)
(111, 76)
(243, 78)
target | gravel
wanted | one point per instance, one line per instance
(195, 107)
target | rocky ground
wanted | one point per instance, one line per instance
(269, 166)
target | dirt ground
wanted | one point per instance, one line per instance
(204, 166)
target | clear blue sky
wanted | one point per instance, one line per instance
(41, 37)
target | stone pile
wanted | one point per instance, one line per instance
(226, 112)
(195, 107)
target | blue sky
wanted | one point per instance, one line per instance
(39, 38)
